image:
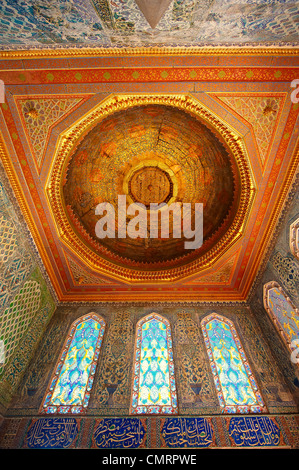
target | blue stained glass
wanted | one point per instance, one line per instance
(236, 387)
(71, 384)
(154, 386)
(154, 369)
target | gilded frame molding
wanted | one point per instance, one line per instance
(225, 50)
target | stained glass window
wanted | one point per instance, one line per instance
(236, 387)
(282, 312)
(154, 390)
(71, 384)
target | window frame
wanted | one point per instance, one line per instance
(136, 371)
(73, 409)
(260, 407)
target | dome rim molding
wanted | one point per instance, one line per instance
(69, 139)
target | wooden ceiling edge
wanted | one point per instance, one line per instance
(134, 297)
(21, 199)
(288, 50)
(273, 220)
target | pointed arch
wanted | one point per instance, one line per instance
(236, 387)
(294, 238)
(282, 312)
(154, 389)
(70, 385)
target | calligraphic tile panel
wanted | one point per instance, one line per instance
(120, 433)
(254, 431)
(52, 433)
(187, 432)
(155, 432)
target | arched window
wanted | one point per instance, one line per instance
(282, 312)
(236, 387)
(71, 383)
(154, 390)
(294, 238)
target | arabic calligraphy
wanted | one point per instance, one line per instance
(254, 431)
(54, 433)
(119, 433)
(187, 432)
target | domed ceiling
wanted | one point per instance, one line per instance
(150, 149)
(151, 154)
(212, 127)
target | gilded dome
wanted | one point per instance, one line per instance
(151, 154)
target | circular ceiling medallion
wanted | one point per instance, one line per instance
(150, 185)
(152, 150)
